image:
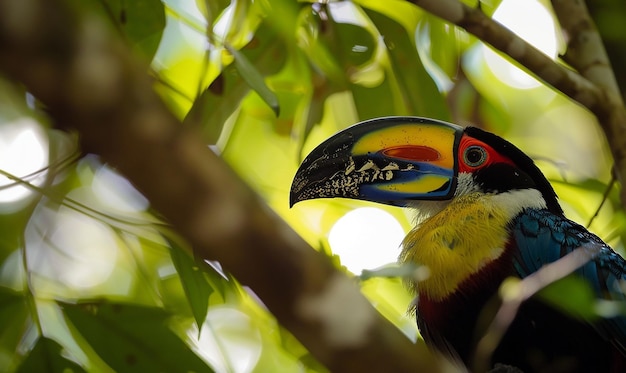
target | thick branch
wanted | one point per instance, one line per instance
(499, 37)
(585, 50)
(605, 104)
(89, 82)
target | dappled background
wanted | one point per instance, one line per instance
(263, 82)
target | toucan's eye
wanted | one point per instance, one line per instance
(474, 156)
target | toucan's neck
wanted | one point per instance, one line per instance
(456, 239)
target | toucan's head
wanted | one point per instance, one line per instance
(402, 160)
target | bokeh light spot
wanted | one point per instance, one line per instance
(78, 252)
(228, 340)
(531, 21)
(366, 238)
(116, 192)
(23, 153)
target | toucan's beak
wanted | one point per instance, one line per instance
(391, 160)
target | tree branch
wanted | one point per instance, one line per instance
(600, 99)
(90, 82)
(585, 50)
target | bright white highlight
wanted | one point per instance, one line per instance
(229, 341)
(531, 21)
(76, 251)
(366, 238)
(23, 153)
(116, 192)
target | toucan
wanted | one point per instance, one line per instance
(485, 214)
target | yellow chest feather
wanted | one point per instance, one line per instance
(456, 242)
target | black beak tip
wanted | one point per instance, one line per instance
(292, 200)
(294, 196)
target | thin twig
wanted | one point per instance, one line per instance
(605, 196)
(524, 289)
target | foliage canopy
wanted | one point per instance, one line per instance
(92, 279)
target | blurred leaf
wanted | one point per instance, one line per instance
(350, 39)
(197, 288)
(13, 323)
(573, 295)
(132, 338)
(211, 10)
(438, 41)
(464, 101)
(322, 90)
(141, 21)
(243, 20)
(618, 220)
(377, 101)
(486, 6)
(471, 3)
(282, 15)
(493, 117)
(223, 96)
(254, 78)
(314, 32)
(584, 196)
(418, 92)
(47, 356)
(406, 270)
(11, 231)
(344, 53)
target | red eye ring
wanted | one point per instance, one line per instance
(475, 156)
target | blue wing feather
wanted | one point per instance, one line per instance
(543, 237)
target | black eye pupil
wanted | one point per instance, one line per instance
(475, 156)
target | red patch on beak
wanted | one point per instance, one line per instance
(413, 153)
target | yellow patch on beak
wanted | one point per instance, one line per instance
(436, 137)
(425, 183)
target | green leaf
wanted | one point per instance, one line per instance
(212, 9)
(442, 44)
(317, 38)
(196, 287)
(132, 338)
(417, 90)
(12, 231)
(322, 90)
(351, 41)
(377, 101)
(223, 96)
(253, 77)
(13, 323)
(48, 356)
(572, 295)
(141, 21)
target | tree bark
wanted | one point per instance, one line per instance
(90, 83)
